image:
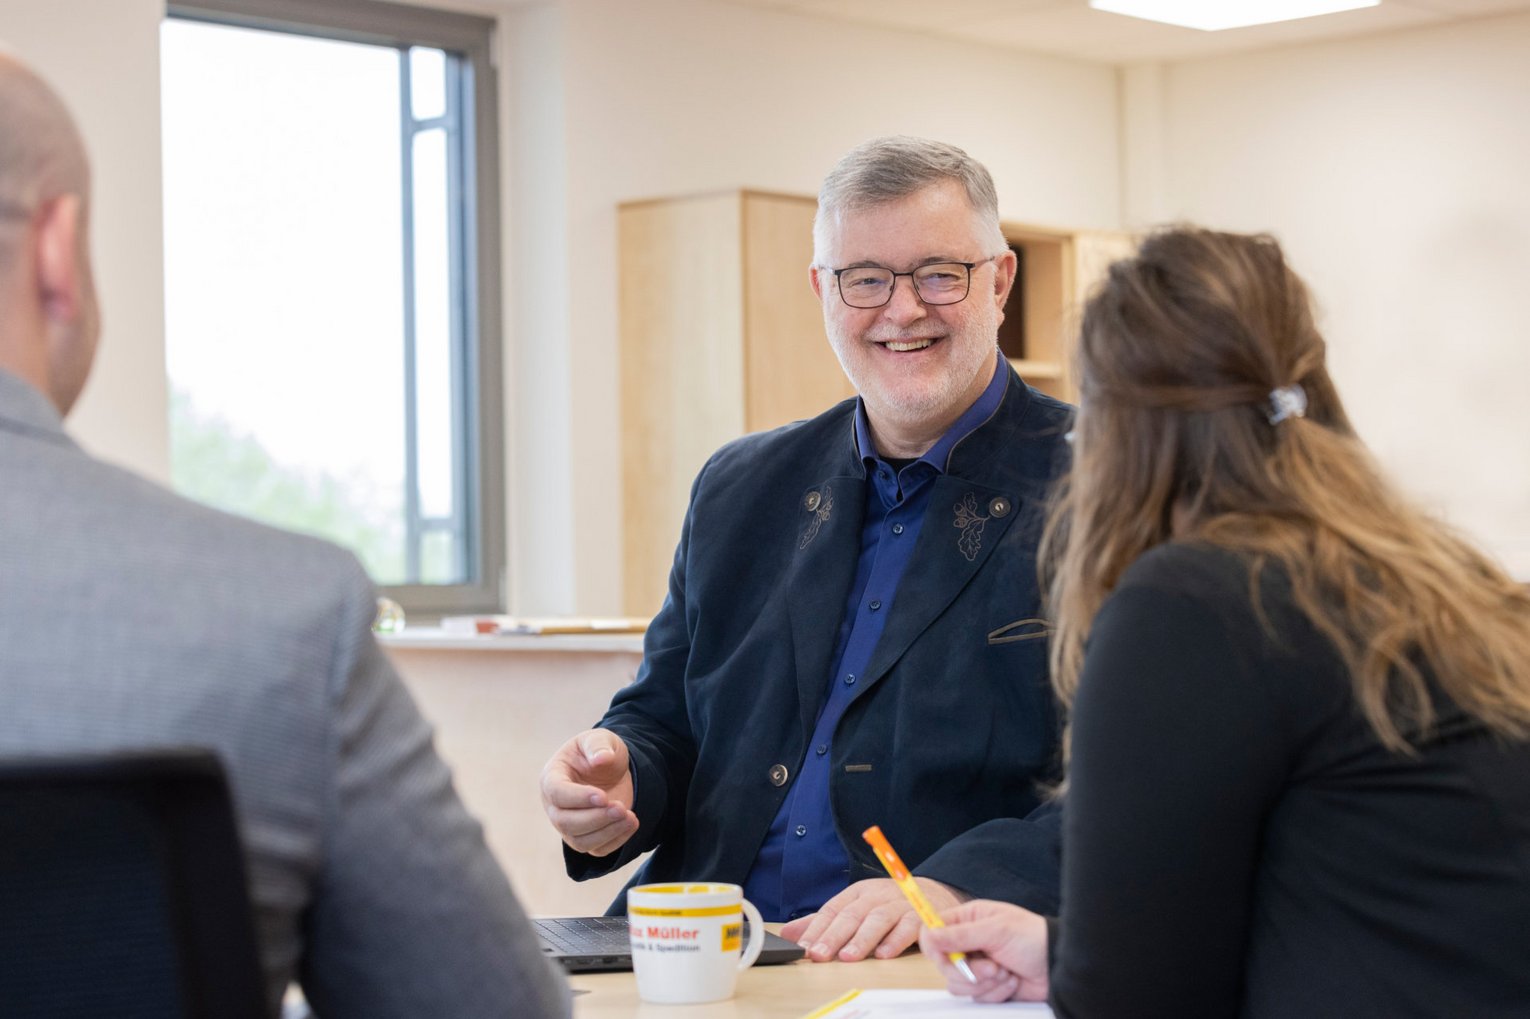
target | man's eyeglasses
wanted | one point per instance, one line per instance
(938, 283)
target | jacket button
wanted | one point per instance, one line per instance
(811, 501)
(778, 774)
(999, 507)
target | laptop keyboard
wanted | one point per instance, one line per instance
(596, 935)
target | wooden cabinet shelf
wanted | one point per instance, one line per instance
(720, 335)
(1057, 270)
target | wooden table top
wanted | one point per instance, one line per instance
(764, 992)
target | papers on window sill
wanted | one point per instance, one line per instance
(886, 1004)
(497, 626)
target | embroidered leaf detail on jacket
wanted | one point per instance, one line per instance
(971, 523)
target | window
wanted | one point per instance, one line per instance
(331, 282)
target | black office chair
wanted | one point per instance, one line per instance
(122, 891)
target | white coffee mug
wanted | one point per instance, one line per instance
(686, 939)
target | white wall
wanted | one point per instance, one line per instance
(538, 382)
(102, 56)
(1394, 170)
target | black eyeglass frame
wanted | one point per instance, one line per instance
(893, 286)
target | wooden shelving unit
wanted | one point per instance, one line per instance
(720, 335)
(1057, 270)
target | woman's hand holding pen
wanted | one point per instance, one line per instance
(1006, 947)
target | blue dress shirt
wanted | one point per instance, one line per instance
(803, 863)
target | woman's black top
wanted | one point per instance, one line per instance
(1238, 843)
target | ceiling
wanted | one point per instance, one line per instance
(1071, 28)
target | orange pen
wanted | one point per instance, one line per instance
(911, 891)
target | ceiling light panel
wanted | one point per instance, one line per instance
(1216, 15)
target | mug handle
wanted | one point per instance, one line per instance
(756, 936)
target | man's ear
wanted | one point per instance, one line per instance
(59, 237)
(816, 283)
(1004, 268)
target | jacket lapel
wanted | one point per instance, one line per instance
(823, 568)
(962, 527)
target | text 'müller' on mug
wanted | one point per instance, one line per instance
(686, 939)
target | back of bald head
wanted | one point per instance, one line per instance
(41, 153)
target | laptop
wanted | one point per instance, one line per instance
(593, 944)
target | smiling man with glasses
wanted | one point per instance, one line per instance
(853, 632)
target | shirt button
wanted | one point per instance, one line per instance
(823, 748)
(874, 605)
(883, 474)
(801, 830)
(897, 528)
(778, 774)
(850, 679)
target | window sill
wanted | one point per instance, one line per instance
(430, 638)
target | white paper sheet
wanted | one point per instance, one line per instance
(887, 1004)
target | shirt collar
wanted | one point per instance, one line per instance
(938, 456)
(23, 408)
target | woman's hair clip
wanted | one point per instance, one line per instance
(1287, 402)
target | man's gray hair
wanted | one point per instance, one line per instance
(887, 169)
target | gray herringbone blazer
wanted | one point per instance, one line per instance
(130, 617)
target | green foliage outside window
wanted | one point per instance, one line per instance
(216, 464)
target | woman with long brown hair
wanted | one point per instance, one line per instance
(1299, 777)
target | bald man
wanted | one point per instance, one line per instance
(131, 618)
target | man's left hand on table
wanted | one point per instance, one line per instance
(870, 918)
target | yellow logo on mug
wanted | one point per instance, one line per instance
(732, 937)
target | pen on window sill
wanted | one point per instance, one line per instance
(911, 891)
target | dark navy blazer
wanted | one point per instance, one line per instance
(954, 725)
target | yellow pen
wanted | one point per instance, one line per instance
(912, 892)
